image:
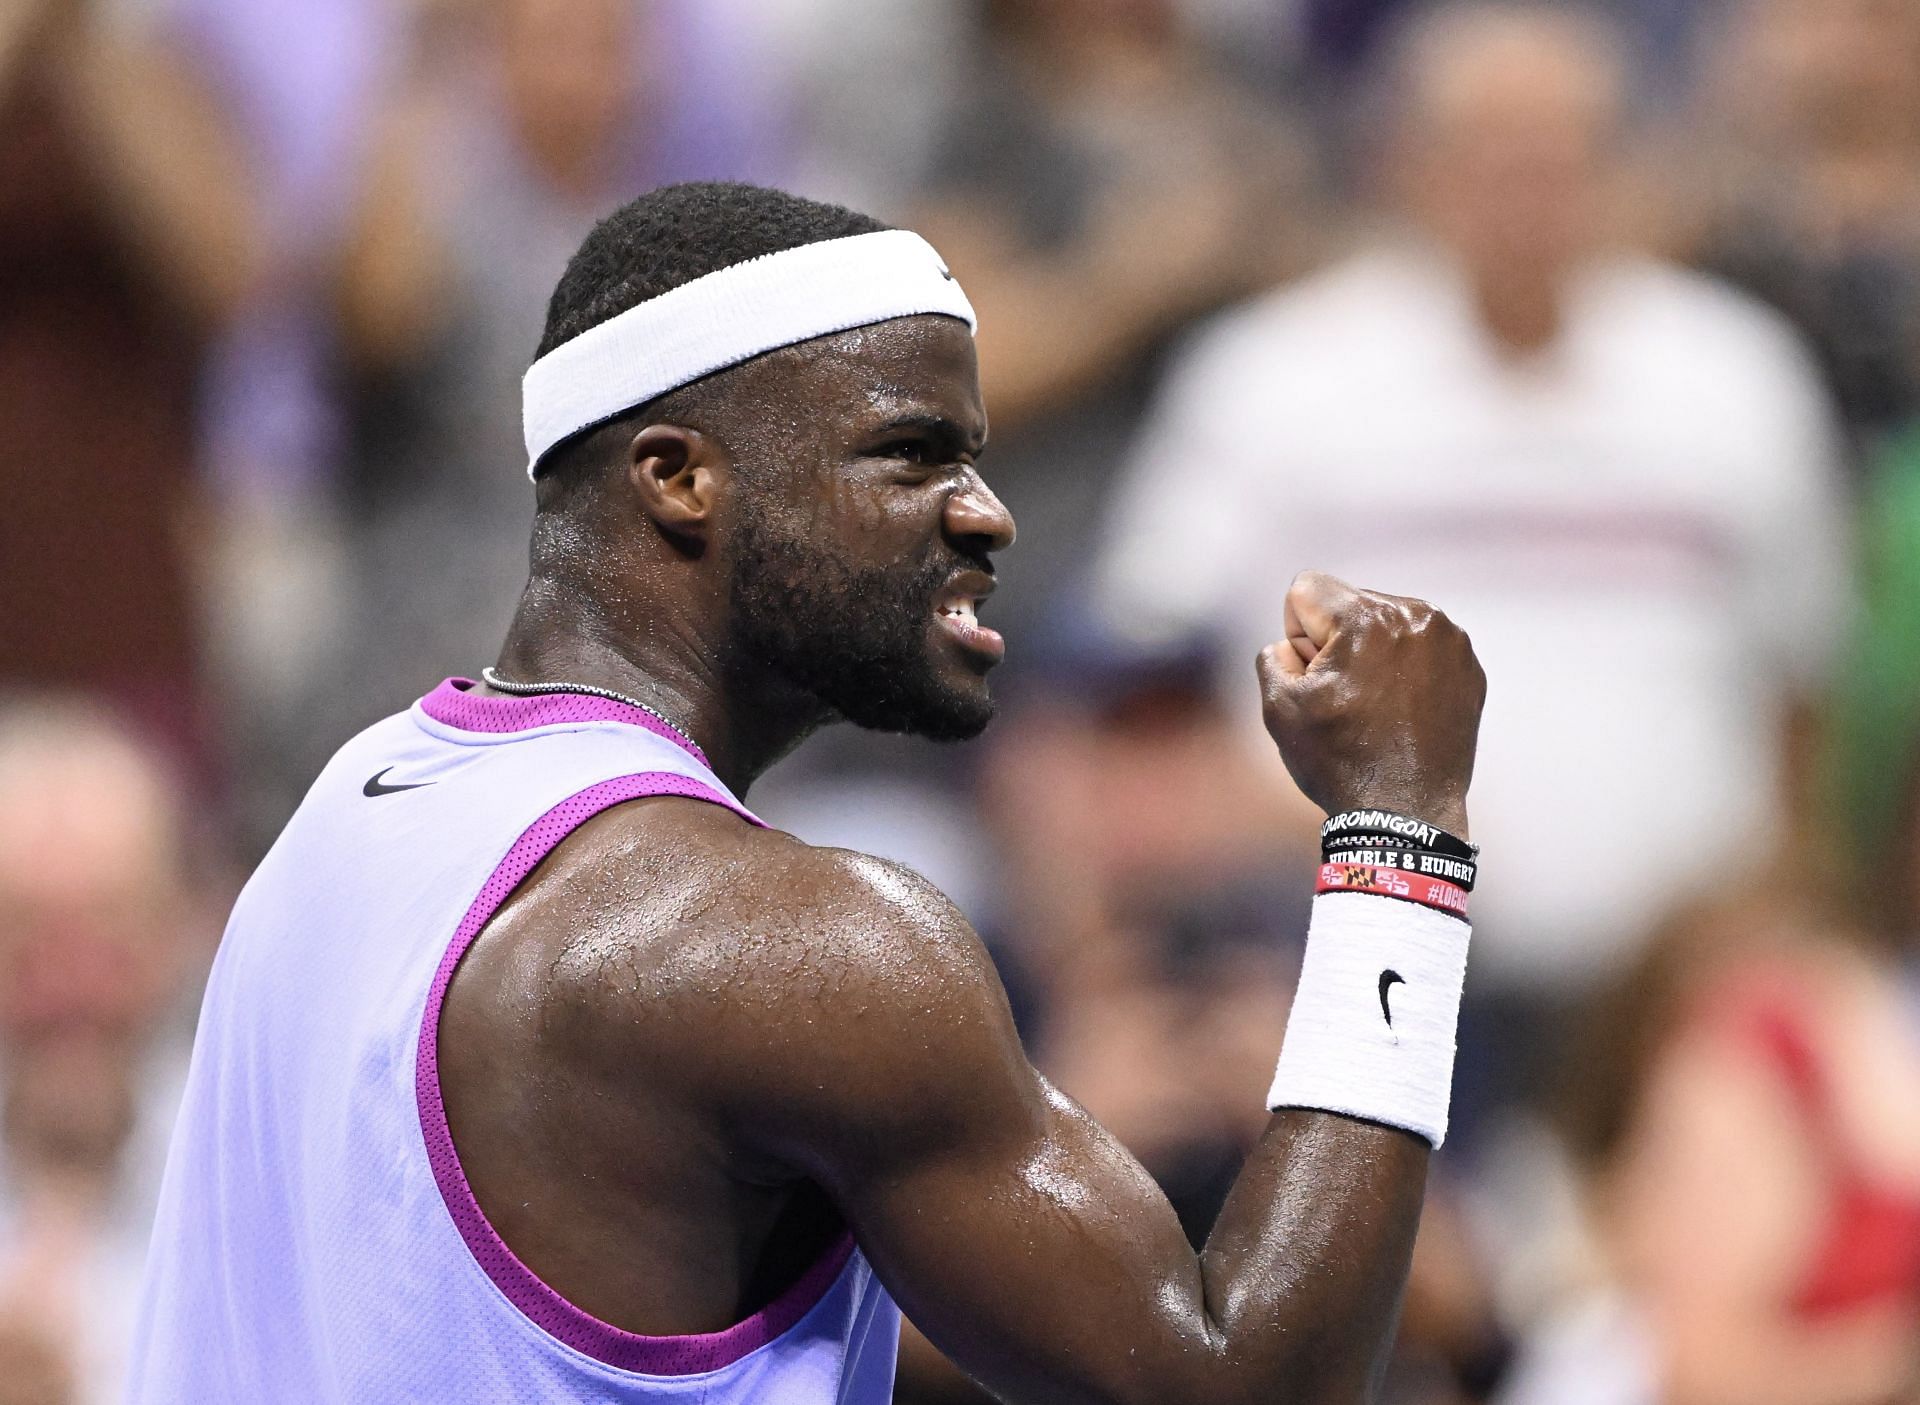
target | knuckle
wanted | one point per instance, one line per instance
(1390, 617)
(1423, 617)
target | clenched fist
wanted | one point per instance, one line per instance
(1375, 702)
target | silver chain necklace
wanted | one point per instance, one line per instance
(491, 677)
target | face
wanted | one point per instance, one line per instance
(1834, 68)
(1509, 158)
(93, 923)
(863, 534)
(569, 65)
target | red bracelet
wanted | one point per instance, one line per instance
(1435, 893)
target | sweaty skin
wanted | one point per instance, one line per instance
(689, 1053)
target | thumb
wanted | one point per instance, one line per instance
(1315, 606)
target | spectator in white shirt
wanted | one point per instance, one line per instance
(1619, 476)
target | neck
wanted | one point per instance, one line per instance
(1523, 316)
(742, 719)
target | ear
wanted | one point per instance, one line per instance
(678, 475)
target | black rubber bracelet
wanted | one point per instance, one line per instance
(1461, 873)
(1385, 824)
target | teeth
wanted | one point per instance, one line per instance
(960, 610)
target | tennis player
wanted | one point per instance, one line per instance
(533, 1067)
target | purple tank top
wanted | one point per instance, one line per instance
(317, 1240)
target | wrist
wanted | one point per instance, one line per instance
(1389, 924)
(1374, 1017)
(1443, 812)
(1389, 829)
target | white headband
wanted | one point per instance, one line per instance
(729, 317)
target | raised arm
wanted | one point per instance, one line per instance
(882, 1063)
(167, 155)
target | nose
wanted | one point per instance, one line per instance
(976, 514)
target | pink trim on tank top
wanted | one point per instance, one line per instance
(545, 1308)
(456, 704)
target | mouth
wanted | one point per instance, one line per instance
(957, 610)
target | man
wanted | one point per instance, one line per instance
(101, 939)
(1620, 476)
(532, 1067)
(128, 236)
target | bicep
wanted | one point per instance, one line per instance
(1019, 1236)
(1035, 1251)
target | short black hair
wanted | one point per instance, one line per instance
(651, 245)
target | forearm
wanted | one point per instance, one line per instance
(1052, 322)
(1047, 332)
(1304, 1272)
(1292, 1302)
(163, 151)
(1296, 1294)
(392, 272)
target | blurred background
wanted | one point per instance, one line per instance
(1598, 325)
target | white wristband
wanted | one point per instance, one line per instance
(1372, 1029)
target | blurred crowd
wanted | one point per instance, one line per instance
(1599, 325)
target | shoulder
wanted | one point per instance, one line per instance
(697, 883)
(1714, 324)
(767, 973)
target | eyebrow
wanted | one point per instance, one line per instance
(948, 433)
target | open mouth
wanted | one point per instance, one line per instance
(957, 607)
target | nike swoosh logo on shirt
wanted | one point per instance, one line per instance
(376, 785)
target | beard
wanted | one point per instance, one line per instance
(854, 637)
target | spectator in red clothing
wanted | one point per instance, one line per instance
(1746, 1118)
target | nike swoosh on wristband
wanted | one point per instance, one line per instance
(376, 785)
(1387, 981)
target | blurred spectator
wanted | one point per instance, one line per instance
(868, 144)
(300, 76)
(1341, 39)
(1618, 476)
(1746, 1120)
(1101, 187)
(99, 936)
(524, 122)
(1819, 184)
(126, 238)
(306, 76)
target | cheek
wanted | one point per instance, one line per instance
(855, 513)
